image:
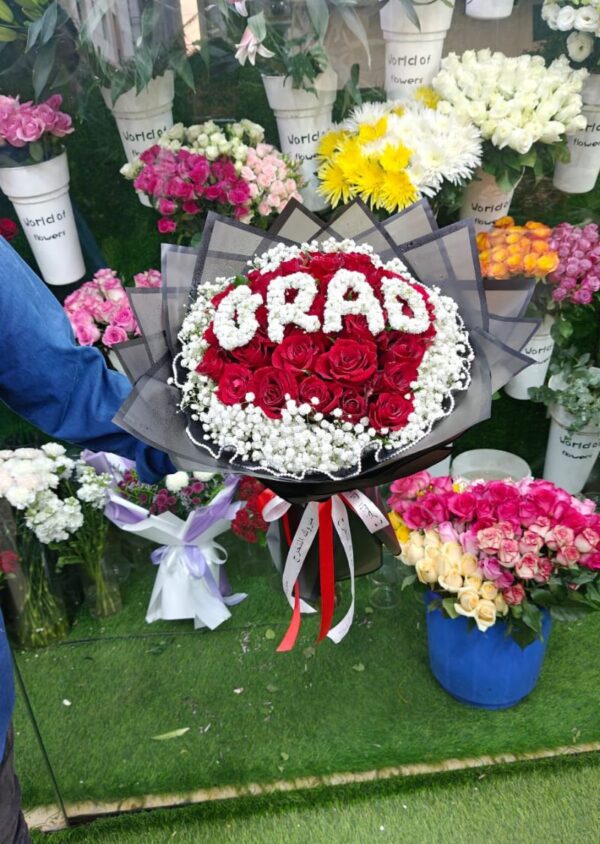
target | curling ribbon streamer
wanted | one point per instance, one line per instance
(321, 517)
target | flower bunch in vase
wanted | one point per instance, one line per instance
(34, 175)
(524, 110)
(503, 556)
(184, 515)
(100, 313)
(227, 168)
(392, 154)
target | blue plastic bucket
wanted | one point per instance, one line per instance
(488, 670)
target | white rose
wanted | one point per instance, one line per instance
(580, 46)
(177, 481)
(176, 132)
(520, 140)
(587, 19)
(550, 13)
(212, 153)
(565, 20)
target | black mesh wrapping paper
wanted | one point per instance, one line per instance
(444, 257)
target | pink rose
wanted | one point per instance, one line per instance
(504, 579)
(489, 539)
(113, 335)
(489, 567)
(486, 509)
(560, 536)
(591, 561)
(541, 526)
(125, 318)
(530, 542)
(545, 569)
(462, 505)
(447, 532)
(568, 556)
(509, 552)
(87, 334)
(166, 226)
(412, 485)
(527, 567)
(112, 287)
(166, 206)
(587, 540)
(514, 595)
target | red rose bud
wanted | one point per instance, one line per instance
(353, 405)
(234, 383)
(327, 392)
(212, 364)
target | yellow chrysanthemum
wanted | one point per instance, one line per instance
(368, 181)
(395, 158)
(350, 159)
(334, 186)
(368, 132)
(427, 96)
(397, 192)
(398, 110)
(331, 143)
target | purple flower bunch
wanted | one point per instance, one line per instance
(99, 310)
(577, 276)
(25, 123)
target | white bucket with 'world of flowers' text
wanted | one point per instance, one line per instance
(484, 201)
(579, 175)
(488, 10)
(40, 195)
(570, 457)
(302, 120)
(413, 55)
(540, 348)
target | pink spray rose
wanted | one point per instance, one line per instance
(527, 566)
(514, 595)
(114, 334)
(509, 552)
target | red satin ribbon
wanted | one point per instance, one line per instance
(326, 567)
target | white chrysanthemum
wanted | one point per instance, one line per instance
(177, 481)
(366, 113)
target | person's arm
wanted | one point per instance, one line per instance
(65, 390)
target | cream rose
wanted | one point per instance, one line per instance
(473, 581)
(500, 604)
(451, 553)
(485, 615)
(412, 551)
(426, 571)
(468, 600)
(468, 565)
(451, 582)
(488, 590)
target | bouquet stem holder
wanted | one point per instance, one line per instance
(302, 120)
(190, 582)
(579, 175)
(539, 349)
(486, 670)
(484, 201)
(413, 55)
(40, 196)
(570, 457)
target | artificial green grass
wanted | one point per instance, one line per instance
(551, 802)
(256, 716)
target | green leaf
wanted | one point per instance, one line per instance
(42, 67)
(448, 605)
(409, 11)
(532, 617)
(570, 612)
(358, 667)
(319, 17)
(408, 581)
(6, 13)
(143, 68)
(173, 734)
(180, 64)
(355, 25)
(43, 28)
(7, 35)
(258, 26)
(269, 633)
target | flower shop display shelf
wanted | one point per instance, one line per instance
(133, 716)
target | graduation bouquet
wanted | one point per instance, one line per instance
(324, 360)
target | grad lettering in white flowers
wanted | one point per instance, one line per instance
(319, 356)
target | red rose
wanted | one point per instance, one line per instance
(212, 363)
(411, 347)
(396, 378)
(356, 328)
(218, 297)
(323, 266)
(353, 405)
(255, 353)
(299, 351)
(234, 383)
(348, 362)
(8, 228)
(390, 410)
(270, 388)
(328, 393)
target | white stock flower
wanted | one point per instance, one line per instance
(177, 481)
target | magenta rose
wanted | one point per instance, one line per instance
(299, 352)
(417, 517)
(114, 334)
(235, 381)
(125, 318)
(166, 207)
(390, 410)
(591, 561)
(271, 386)
(435, 506)
(327, 393)
(508, 553)
(166, 226)
(489, 567)
(462, 505)
(87, 333)
(353, 405)
(504, 579)
(514, 595)
(348, 362)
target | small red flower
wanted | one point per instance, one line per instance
(8, 228)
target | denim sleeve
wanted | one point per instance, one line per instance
(65, 390)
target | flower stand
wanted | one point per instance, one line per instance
(40, 196)
(488, 10)
(484, 201)
(413, 56)
(539, 348)
(579, 175)
(487, 670)
(570, 457)
(302, 120)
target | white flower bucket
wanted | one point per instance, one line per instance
(142, 118)
(40, 195)
(489, 464)
(302, 120)
(570, 458)
(579, 175)
(540, 348)
(484, 201)
(441, 469)
(487, 10)
(413, 56)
